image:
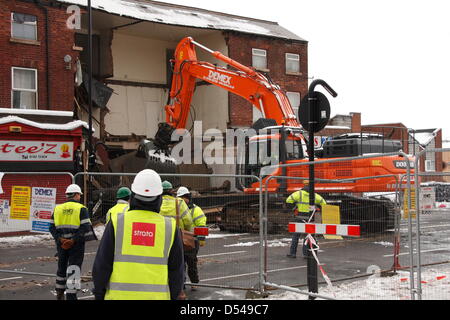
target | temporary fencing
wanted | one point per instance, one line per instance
(401, 252)
(342, 258)
(230, 257)
(431, 228)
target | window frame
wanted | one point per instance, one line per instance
(290, 59)
(26, 90)
(35, 24)
(265, 57)
(430, 165)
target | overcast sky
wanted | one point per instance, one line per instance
(388, 59)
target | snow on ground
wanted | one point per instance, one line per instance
(435, 286)
(270, 243)
(218, 235)
(46, 238)
(21, 241)
(385, 243)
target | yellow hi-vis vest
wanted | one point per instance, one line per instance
(67, 218)
(198, 217)
(118, 208)
(168, 209)
(301, 199)
(143, 240)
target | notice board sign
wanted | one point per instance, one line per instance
(20, 203)
(413, 204)
(43, 201)
(427, 198)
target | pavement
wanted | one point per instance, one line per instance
(229, 263)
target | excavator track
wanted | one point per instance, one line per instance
(373, 215)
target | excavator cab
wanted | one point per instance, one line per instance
(272, 146)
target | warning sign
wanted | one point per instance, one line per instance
(331, 215)
(20, 203)
(43, 201)
(427, 198)
(413, 204)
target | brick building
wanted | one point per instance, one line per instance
(37, 88)
(34, 39)
(295, 83)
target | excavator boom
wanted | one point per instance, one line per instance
(243, 81)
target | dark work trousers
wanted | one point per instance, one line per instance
(190, 258)
(296, 237)
(66, 258)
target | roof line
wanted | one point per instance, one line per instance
(203, 10)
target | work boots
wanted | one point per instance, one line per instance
(60, 295)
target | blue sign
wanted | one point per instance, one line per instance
(40, 226)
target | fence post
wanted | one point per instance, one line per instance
(418, 211)
(262, 255)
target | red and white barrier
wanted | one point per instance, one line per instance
(329, 229)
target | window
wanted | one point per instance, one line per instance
(292, 63)
(294, 99)
(24, 88)
(23, 26)
(430, 166)
(294, 149)
(259, 59)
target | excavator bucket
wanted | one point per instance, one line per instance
(163, 137)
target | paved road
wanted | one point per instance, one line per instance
(230, 262)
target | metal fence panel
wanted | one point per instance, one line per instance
(343, 259)
(431, 229)
(231, 255)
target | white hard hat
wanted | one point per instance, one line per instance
(73, 188)
(147, 185)
(182, 191)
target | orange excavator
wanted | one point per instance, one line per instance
(283, 135)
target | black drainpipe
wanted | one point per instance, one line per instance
(47, 49)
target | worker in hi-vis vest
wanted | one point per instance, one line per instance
(71, 227)
(123, 201)
(300, 199)
(198, 220)
(140, 256)
(168, 207)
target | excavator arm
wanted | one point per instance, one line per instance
(243, 81)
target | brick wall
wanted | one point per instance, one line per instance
(240, 49)
(61, 41)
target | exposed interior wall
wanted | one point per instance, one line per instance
(135, 110)
(139, 109)
(139, 59)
